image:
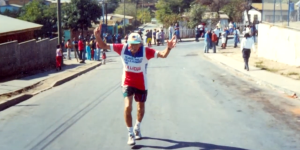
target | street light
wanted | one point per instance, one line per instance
(59, 25)
(104, 3)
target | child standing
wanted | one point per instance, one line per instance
(103, 57)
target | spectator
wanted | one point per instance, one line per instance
(153, 36)
(171, 32)
(224, 35)
(58, 57)
(214, 40)
(246, 46)
(206, 42)
(69, 47)
(162, 37)
(217, 31)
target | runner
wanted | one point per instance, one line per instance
(135, 57)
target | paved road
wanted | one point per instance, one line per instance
(192, 104)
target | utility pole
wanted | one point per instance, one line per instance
(288, 12)
(124, 19)
(143, 11)
(136, 6)
(106, 16)
(59, 25)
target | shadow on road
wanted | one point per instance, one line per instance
(49, 72)
(183, 144)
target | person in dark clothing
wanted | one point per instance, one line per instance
(227, 34)
(246, 46)
(141, 34)
(210, 36)
(114, 38)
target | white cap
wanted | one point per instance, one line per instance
(134, 38)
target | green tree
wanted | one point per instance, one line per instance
(38, 12)
(235, 10)
(112, 5)
(195, 15)
(169, 11)
(214, 5)
(80, 14)
(129, 11)
(144, 15)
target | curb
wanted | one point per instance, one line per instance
(20, 98)
(259, 81)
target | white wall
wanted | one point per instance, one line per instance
(252, 13)
(279, 44)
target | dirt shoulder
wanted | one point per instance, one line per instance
(263, 63)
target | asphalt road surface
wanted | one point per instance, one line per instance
(192, 104)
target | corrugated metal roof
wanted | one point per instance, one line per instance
(270, 6)
(120, 16)
(11, 25)
(15, 5)
(224, 16)
(61, 1)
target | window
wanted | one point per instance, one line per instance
(255, 18)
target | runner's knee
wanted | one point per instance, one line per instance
(128, 104)
(140, 106)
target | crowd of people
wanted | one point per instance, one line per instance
(85, 48)
(212, 36)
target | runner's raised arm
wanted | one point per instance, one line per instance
(170, 44)
(97, 33)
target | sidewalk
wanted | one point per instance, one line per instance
(232, 59)
(21, 89)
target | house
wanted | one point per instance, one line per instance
(10, 7)
(18, 2)
(54, 2)
(15, 29)
(119, 18)
(265, 11)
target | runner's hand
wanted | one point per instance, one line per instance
(97, 31)
(171, 44)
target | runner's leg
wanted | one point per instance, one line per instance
(140, 111)
(128, 117)
(127, 110)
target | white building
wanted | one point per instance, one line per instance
(253, 14)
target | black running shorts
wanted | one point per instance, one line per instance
(139, 95)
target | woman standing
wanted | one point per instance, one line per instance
(88, 50)
(246, 46)
(58, 57)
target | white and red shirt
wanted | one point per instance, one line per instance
(134, 66)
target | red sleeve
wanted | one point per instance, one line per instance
(150, 53)
(117, 48)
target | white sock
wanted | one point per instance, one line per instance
(137, 124)
(130, 129)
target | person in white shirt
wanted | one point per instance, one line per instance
(171, 32)
(246, 46)
(201, 28)
(218, 33)
(248, 30)
(230, 28)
